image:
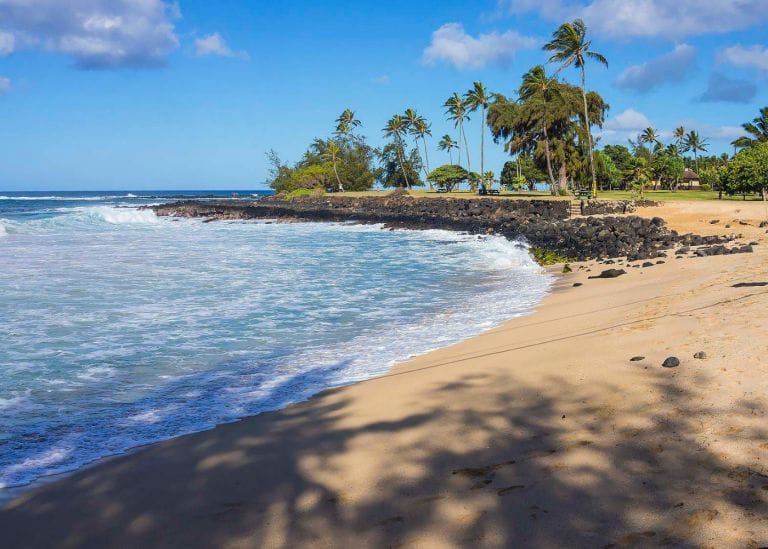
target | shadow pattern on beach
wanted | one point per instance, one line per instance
(539, 468)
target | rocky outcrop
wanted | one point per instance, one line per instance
(543, 223)
(612, 207)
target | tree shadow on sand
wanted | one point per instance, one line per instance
(562, 466)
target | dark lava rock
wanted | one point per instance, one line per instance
(754, 243)
(636, 358)
(577, 284)
(701, 355)
(660, 262)
(648, 264)
(714, 222)
(763, 224)
(683, 250)
(610, 273)
(671, 362)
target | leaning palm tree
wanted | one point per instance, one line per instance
(332, 155)
(395, 129)
(538, 91)
(571, 47)
(695, 144)
(477, 98)
(448, 144)
(758, 128)
(346, 123)
(456, 109)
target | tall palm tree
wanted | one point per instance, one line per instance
(396, 128)
(758, 128)
(332, 154)
(477, 98)
(346, 123)
(448, 144)
(650, 137)
(416, 124)
(421, 129)
(679, 135)
(538, 88)
(695, 144)
(570, 47)
(456, 110)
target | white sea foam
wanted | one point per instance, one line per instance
(118, 216)
(3, 231)
(124, 329)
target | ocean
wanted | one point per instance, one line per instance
(119, 328)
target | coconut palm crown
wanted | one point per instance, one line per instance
(758, 129)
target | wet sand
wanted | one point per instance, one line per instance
(540, 433)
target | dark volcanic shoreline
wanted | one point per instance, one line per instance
(546, 224)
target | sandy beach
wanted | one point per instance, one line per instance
(543, 432)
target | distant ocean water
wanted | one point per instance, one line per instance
(118, 328)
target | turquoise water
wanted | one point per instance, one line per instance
(119, 328)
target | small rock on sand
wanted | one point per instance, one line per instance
(610, 273)
(636, 358)
(577, 284)
(671, 362)
(700, 355)
(714, 222)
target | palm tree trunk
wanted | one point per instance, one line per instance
(458, 148)
(338, 180)
(466, 147)
(563, 177)
(589, 130)
(450, 156)
(548, 156)
(402, 161)
(482, 144)
(426, 161)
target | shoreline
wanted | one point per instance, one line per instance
(466, 443)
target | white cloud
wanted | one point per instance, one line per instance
(651, 18)
(96, 33)
(213, 44)
(623, 126)
(7, 43)
(452, 44)
(5, 84)
(749, 57)
(630, 119)
(670, 67)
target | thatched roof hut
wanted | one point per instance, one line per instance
(689, 175)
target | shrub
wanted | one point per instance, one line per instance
(298, 193)
(705, 187)
(543, 256)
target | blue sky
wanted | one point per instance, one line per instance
(142, 94)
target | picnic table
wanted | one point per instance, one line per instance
(582, 194)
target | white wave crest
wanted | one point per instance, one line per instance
(3, 231)
(118, 216)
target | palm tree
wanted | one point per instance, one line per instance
(418, 127)
(758, 128)
(477, 98)
(396, 128)
(332, 154)
(679, 135)
(421, 129)
(448, 144)
(571, 47)
(694, 143)
(456, 110)
(538, 88)
(346, 123)
(650, 137)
